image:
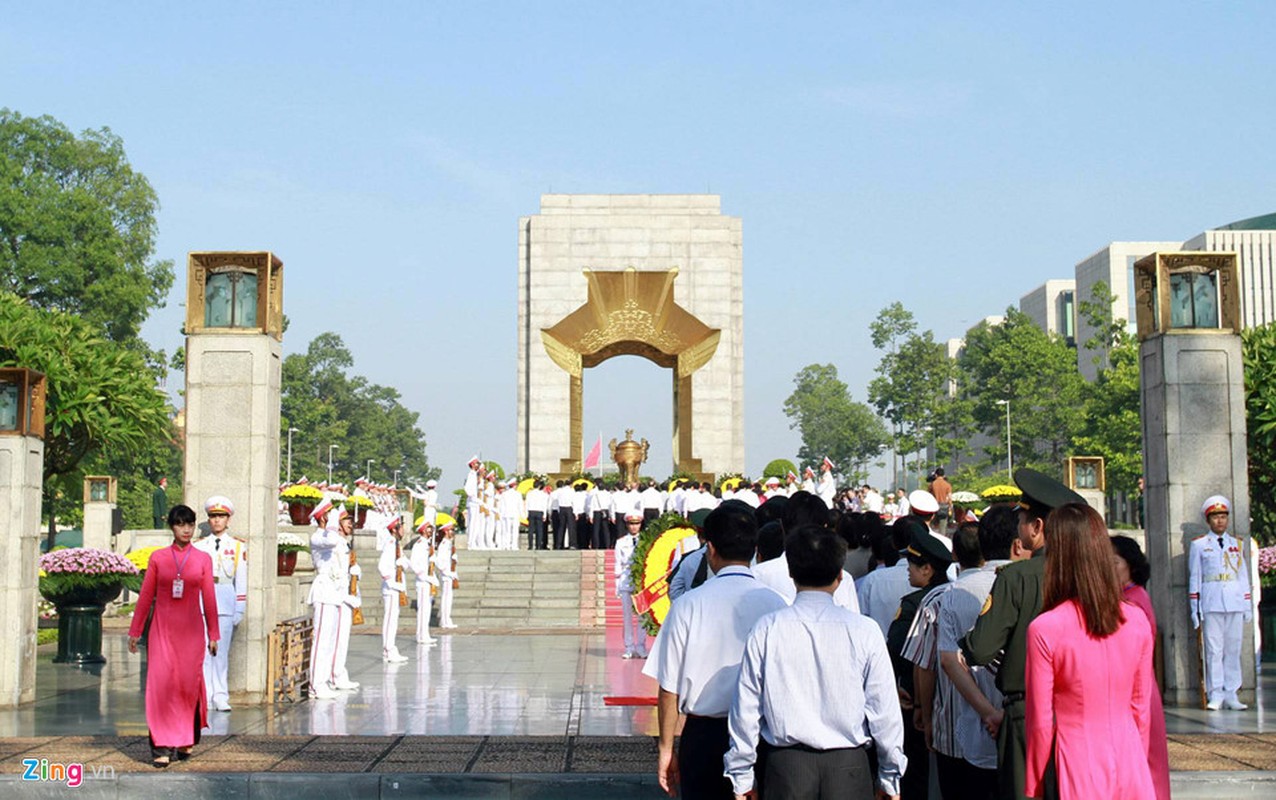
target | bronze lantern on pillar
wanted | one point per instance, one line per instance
(234, 292)
(1187, 291)
(21, 402)
(99, 489)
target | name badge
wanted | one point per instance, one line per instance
(178, 585)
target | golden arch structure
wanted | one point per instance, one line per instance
(597, 280)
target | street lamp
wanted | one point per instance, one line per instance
(396, 478)
(931, 455)
(1010, 469)
(368, 472)
(291, 431)
(331, 447)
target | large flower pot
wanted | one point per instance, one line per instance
(1267, 622)
(286, 564)
(361, 516)
(299, 513)
(80, 623)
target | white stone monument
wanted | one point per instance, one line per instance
(21, 480)
(234, 316)
(658, 276)
(1194, 441)
(99, 511)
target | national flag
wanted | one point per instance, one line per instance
(591, 460)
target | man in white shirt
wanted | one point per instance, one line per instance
(816, 689)
(772, 570)
(582, 528)
(537, 506)
(652, 503)
(880, 591)
(696, 657)
(827, 488)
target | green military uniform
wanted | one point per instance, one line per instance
(1002, 632)
(159, 507)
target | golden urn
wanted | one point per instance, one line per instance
(628, 456)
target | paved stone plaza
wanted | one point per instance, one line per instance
(477, 715)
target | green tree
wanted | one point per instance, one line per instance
(77, 226)
(1258, 349)
(832, 424)
(364, 420)
(1111, 425)
(912, 380)
(779, 468)
(1037, 373)
(101, 397)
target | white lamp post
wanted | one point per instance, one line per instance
(1010, 470)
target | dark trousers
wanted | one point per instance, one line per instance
(648, 516)
(584, 530)
(617, 528)
(915, 784)
(536, 530)
(566, 529)
(601, 534)
(1012, 757)
(960, 778)
(802, 773)
(700, 750)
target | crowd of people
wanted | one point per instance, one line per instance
(1013, 653)
(815, 646)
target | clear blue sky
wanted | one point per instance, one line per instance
(951, 156)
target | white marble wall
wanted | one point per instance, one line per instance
(97, 525)
(646, 232)
(232, 449)
(21, 477)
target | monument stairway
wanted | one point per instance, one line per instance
(515, 589)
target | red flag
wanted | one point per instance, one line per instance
(591, 460)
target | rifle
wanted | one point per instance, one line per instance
(1200, 663)
(398, 573)
(356, 616)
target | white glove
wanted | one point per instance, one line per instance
(355, 570)
(354, 601)
(402, 561)
(238, 618)
(430, 579)
(396, 586)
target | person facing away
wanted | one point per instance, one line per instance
(816, 690)
(1089, 677)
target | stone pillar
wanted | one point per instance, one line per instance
(21, 479)
(232, 449)
(97, 524)
(1193, 398)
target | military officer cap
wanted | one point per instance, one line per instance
(393, 523)
(922, 503)
(1216, 504)
(633, 516)
(1041, 493)
(926, 548)
(217, 504)
(431, 484)
(697, 518)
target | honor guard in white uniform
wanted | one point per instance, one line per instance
(773, 487)
(230, 574)
(490, 512)
(473, 503)
(512, 515)
(394, 590)
(332, 601)
(635, 636)
(426, 583)
(1219, 596)
(808, 481)
(445, 570)
(827, 489)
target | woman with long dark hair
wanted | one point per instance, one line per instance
(1089, 681)
(1133, 571)
(177, 578)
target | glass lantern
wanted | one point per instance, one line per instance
(21, 402)
(10, 394)
(230, 298)
(1187, 292)
(234, 292)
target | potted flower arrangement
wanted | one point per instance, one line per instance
(80, 581)
(288, 546)
(1267, 605)
(1001, 493)
(358, 505)
(301, 498)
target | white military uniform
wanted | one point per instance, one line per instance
(827, 489)
(425, 582)
(333, 607)
(443, 569)
(473, 508)
(230, 573)
(392, 588)
(1219, 596)
(635, 636)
